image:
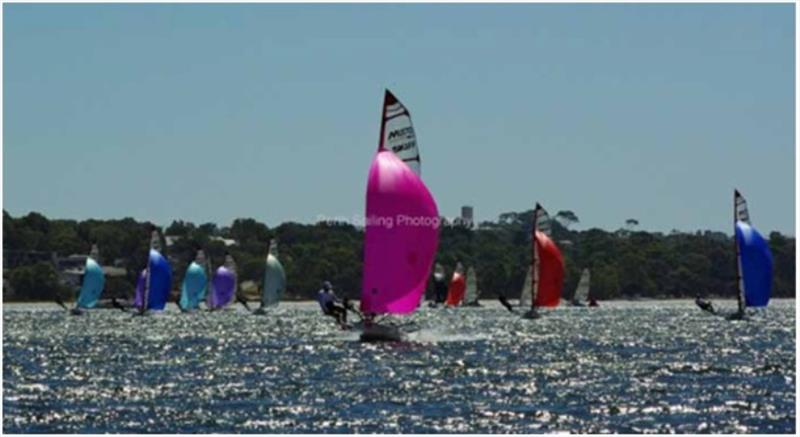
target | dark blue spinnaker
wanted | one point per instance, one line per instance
(756, 265)
(160, 283)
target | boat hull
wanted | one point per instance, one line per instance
(381, 333)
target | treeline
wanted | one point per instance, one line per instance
(625, 263)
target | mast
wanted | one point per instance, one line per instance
(386, 95)
(154, 245)
(535, 275)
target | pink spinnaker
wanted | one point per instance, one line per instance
(402, 235)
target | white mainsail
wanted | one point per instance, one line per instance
(525, 297)
(471, 294)
(397, 132)
(582, 290)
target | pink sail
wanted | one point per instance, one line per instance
(402, 235)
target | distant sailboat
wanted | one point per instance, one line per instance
(155, 281)
(581, 294)
(547, 265)
(753, 260)
(93, 282)
(402, 227)
(471, 294)
(457, 288)
(526, 295)
(225, 284)
(195, 284)
(439, 286)
(274, 280)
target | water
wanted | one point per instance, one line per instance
(625, 367)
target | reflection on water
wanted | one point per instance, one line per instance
(624, 367)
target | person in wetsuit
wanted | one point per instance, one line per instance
(503, 300)
(328, 300)
(704, 305)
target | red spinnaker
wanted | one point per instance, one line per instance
(551, 272)
(455, 293)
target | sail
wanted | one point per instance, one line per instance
(455, 292)
(195, 283)
(547, 264)
(526, 296)
(397, 132)
(224, 287)
(471, 293)
(582, 291)
(402, 234)
(753, 258)
(274, 278)
(93, 282)
(756, 265)
(439, 284)
(155, 283)
(551, 272)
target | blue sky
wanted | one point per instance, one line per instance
(212, 112)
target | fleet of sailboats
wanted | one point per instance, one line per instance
(400, 243)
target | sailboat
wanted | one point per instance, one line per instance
(92, 285)
(155, 281)
(526, 294)
(753, 260)
(582, 290)
(402, 226)
(458, 285)
(547, 266)
(472, 292)
(439, 286)
(274, 280)
(224, 285)
(195, 284)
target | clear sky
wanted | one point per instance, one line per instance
(212, 112)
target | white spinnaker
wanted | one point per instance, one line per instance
(525, 297)
(582, 291)
(398, 132)
(471, 294)
(274, 282)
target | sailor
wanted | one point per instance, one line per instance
(503, 300)
(327, 301)
(440, 284)
(704, 304)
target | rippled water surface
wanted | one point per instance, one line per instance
(624, 367)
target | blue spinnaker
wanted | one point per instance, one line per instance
(160, 283)
(756, 260)
(92, 287)
(195, 283)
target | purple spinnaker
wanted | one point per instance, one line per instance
(224, 287)
(402, 235)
